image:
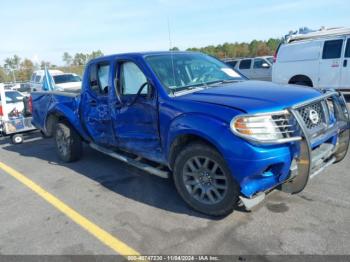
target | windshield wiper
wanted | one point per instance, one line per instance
(188, 87)
(201, 85)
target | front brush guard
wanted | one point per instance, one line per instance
(304, 161)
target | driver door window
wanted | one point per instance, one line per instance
(131, 79)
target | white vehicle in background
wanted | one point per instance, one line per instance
(14, 102)
(68, 82)
(14, 120)
(258, 68)
(318, 59)
(36, 81)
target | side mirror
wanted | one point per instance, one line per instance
(265, 65)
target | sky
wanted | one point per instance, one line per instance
(44, 30)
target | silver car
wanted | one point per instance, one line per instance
(258, 68)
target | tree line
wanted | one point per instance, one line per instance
(18, 69)
(243, 49)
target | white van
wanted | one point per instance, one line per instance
(317, 59)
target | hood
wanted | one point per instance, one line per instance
(69, 86)
(254, 96)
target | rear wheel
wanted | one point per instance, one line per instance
(204, 181)
(68, 143)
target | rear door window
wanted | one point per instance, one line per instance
(332, 49)
(99, 77)
(245, 64)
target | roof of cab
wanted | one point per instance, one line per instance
(140, 54)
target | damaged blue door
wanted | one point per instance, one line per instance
(95, 108)
(136, 120)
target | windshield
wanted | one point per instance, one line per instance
(181, 71)
(67, 78)
(13, 97)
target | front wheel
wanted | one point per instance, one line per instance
(68, 143)
(204, 181)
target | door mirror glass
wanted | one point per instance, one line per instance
(265, 65)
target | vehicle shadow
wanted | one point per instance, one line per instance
(112, 174)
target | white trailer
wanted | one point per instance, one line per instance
(13, 126)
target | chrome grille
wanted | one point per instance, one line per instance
(308, 111)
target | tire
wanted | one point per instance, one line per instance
(194, 179)
(68, 143)
(17, 139)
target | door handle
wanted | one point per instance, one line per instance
(93, 103)
(345, 63)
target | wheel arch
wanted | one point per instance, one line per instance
(182, 140)
(189, 128)
(301, 79)
(56, 116)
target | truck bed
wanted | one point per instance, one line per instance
(66, 103)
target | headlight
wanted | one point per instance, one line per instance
(264, 128)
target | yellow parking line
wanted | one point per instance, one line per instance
(106, 238)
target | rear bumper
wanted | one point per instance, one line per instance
(290, 165)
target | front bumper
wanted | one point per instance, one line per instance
(307, 157)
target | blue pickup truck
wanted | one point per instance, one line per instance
(224, 141)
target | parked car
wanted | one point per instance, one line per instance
(258, 68)
(224, 140)
(318, 59)
(63, 81)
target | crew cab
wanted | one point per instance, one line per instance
(223, 140)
